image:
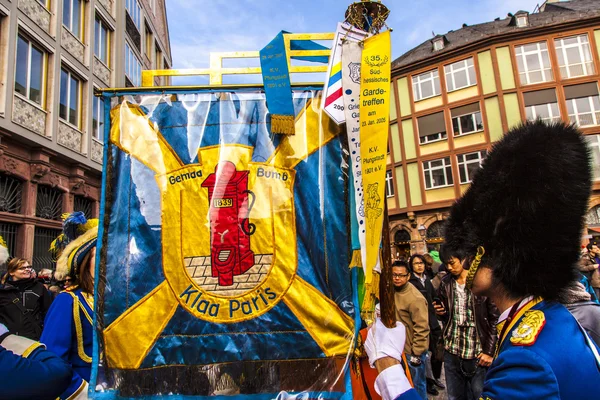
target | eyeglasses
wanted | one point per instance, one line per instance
(399, 275)
(419, 263)
(27, 268)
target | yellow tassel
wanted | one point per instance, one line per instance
(356, 261)
(283, 124)
(2, 242)
(474, 266)
(371, 294)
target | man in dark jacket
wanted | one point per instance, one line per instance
(469, 331)
(422, 282)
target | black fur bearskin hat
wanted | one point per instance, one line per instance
(526, 208)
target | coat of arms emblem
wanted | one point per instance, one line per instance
(354, 72)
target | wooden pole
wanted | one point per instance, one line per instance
(386, 285)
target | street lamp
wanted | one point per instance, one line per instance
(423, 232)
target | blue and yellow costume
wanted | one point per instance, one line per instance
(68, 334)
(531, 362)
(68, 325)
(520, 223)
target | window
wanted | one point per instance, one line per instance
(432, 128)
(468, 164)
(574, 56)
(98, 118)
(541, 104)
(460, 75)
(133, 66)
(30, 70)
(70, 97)
(438, 44)
(42, 237)
(149, 41)
(84, 205)
(426, 85)
(594, 143)
(438, 173)
(45, 4)
(102, 43)
(466, 119)
(533, 63)
(11, 193)
(583, 104)
(389, 184)
(133, 8)
(9, 233)
(522, 21)
(73, 16)
(158, 63)
(49, 203)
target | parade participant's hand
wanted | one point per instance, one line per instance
(485, 360)
(415, 361)
(439, 308)
(596, 266)
(383, 342)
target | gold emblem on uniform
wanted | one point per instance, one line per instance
(528, 330)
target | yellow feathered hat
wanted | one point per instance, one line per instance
(73, 246)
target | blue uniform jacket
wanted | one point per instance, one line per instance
(40, 375)
(557, 364)
(68, 334)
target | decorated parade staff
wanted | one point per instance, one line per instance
(68, 325)
(518, 227)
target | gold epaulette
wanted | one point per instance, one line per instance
(528, 330)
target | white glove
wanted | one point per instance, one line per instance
(3, 329)
(392, 382)
(383, 342)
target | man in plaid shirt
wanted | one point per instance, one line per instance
(469, 331)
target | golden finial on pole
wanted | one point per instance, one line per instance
(367, 15)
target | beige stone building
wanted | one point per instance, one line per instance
(457, 93)
(53, 54)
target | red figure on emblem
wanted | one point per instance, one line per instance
(230, 228)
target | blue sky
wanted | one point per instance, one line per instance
(198, 27)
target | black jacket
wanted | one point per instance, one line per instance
(486, 315)
(428, 292)
(34, 300)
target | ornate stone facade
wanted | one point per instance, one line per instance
(37, 12)
(97, 151)
(108, 6)
(29, 116)
(69, 137)
(101, 72)
(72, 44)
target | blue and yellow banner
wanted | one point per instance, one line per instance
(224, 250)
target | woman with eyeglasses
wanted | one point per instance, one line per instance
(23, 300)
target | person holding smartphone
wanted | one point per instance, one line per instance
(469, 331)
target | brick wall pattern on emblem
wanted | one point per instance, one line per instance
(199, 270)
